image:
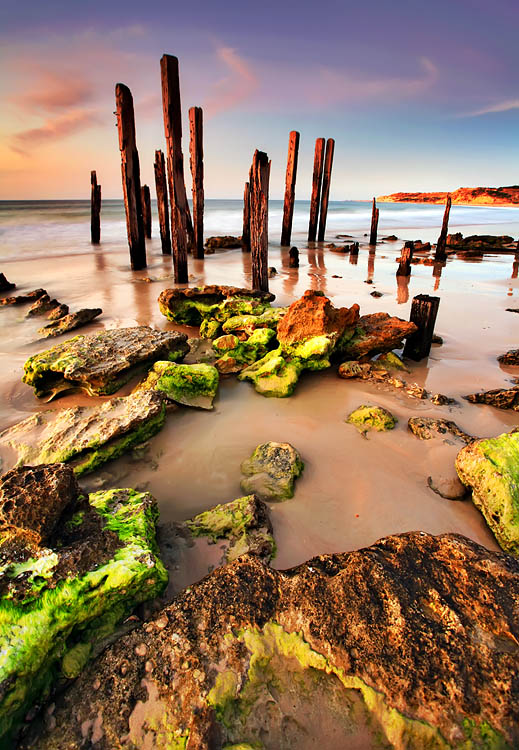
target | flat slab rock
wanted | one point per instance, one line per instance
(66, 323)
(23, 299)
(271, 471)
(101, 362)
(427, 428)
(501, 398)
(390, 642)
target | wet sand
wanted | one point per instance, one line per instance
(353, 490)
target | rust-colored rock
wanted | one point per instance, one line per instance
(22, 299)
(378, 332)
(314, 315)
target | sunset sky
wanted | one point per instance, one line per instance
(419, 96)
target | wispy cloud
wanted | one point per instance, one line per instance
(504, 106)
(237, 85)
(52, 91)
(55, 128)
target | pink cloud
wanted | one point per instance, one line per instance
(54, 129)
(235, 87)
(55, 91)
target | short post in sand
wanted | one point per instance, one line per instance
(404, 267)
(316, 189)
(180, 216)
(196, 161)
(95, 209)
(259, 220)
(245, 235)
(131, 176)
(327, 176)
(293, 258)
(374, 224)
(440, 253)
(161, 188)
(424, 310)
(146, 210)
(290, 187)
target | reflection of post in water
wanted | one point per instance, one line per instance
(371, 264)
(515, 267)
(290, 281)
(437, 273)
(311, 257)
(402, 291)
(320, 258)
(354, 253)
(247, 266)
(144, 302)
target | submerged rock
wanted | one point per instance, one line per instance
(43, 305)
(510, 358)
(449, 488)
(58, 312)
(490, 468)
(101, 362)
(501, 398)
(65, 585)
(22, 299)
(372, 418)
(191, 385)
(427, 428)
(347, 650)
(224, 242)
(377, 333)
(67, 323)
(5, 285)
(192, 306)
(271, 471)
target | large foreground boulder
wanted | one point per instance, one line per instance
(192, 306)
(376, 333)
(408, 644)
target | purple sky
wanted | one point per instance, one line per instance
(418, 97)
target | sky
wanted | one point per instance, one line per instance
(418, 96)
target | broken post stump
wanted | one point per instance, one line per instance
(146, 210)
(196, 161)
(327, 176)
(175, 161)
(293, 258)
(290, 187)
(131, 176)
(95, 209)
(374, 224)
(259, 220)
(245, 236)
(424, 310)
(440, 253)
(161, 188)
(316, 189)
(404, 267)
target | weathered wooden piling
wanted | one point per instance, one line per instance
(316, 189)
(161, 187)
(440, 253)
(290, 187)
(245, 236)
(374, 224)
(196, 161)
(146, 210)
(175, 161)
(95, 209)
(327, 176)
(131, 175)
(404, 267)
(259, 220)
(424, 310)
(293, 258)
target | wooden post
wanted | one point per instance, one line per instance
(177, 187)
(316, 189)
(196, 161)
(131, 175)
(290, 187)
(245, 236)
(330, 146)
(259, 220)
(146, 210)
(293, 261)
(404, 267)
(95, 209)
(374, 224)
(442, 239)
(423, 313)
(161, 187)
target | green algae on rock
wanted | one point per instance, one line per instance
(490, 468)
(271, 471)
(245, 325)
(100, 363)
(390, 361)
(372, 418)
(192, 306)
(273, 375)
(236, 354)
(376, 333)
(62, 595)
(190, 385)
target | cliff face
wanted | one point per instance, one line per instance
(482, 196)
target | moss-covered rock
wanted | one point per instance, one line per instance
(271, 471)
(190, 385)
(273, 375)
(245, 325)
(490, 468)
(191, 306)
(236, 354)
(390, 361)
(376, 333)
(372, 418)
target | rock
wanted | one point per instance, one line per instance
(390, 361)
(478, 241)
(100, 363)
(200, 351)
(92, 560)
(293, 260)
(338, 248)
(272, 271)
(70, 322)
(511, 358)
(437, 340)
(192, 306)
(271, 471)
(427, 428)
(244, 325)
(344, 236)
(236, 354)
(376, 294)
(43, 304)
(421, 247)
(5, 285)
(512, 309)
(314, 315)
(22, 299)
(273, 375)
(439, 399)
(391, 238)
(490, 468)
(384, 646)
(372, 418)
(191, 385)
(58, 312)
(450, 489)
(222, 243)
(377, 333)
(416, 391)
(354, 369)
(501, 398)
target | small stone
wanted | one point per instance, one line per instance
(376, 294)
(416, 391)
(450, 489)
(271, 471)
(272, 271)
(440, 400)
(141, 649)
(372, 418)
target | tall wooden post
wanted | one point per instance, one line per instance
(374, 224)
(442, 239)
(259, 220)
(161, 187)
(290, 187)
(146, 210)
(327, 176)
(177, 187)
(95, 209)
(404, 267)
(196, 161)
(245, 236)
(131, 175)
(316, 189)
(423, 313)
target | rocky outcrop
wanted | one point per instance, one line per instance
(194, 305)
(222, 243)
(367, 418)
(479, 196)
(100, 363)
(42, 306)
(510, 358)
(375, 372)
(314, 315)
(501, 398)
(190, 385)
(65, 323)
(410, 643)
(5, 285)
(427, 428)
(271, 471)
(58, 312)
(487, 242)
(23, 299)
(376, 333)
